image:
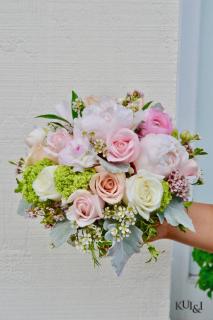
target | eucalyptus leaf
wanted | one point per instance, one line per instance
(61, 233)
(175, 214)
(112, 167)
(22, 207)
(120, 252)
(52, 116)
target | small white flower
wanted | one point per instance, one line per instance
(44, 185)
(144, 192)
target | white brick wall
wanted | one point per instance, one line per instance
(101, 47)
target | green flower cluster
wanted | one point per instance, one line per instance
(167, 196)
(25, 186)
(67, 181)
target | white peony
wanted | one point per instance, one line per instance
(144, 192)
(44, 185)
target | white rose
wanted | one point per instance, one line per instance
(44, 185)
(144, 192)
(161, 154)
(35, 137)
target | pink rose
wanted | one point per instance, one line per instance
(86, 208)
(58, 140)
(155, 121)
(161, 154)
(110, 187)
(123, 146)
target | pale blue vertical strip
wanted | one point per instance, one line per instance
(204, 121)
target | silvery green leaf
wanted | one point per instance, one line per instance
(175, 214)
(22, 207)
(161, 217)
(120, 252)
(108, 226)
(61, 233)
(112, 167)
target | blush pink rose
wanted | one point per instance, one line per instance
(110, 187)
(86, 208)
(155, 121)
(58, 140)
(123, 146)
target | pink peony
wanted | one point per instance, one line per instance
(191, 169)
(155, 121)
(103, 115)
(123, 146)
(77, 153)
(110, 187)
(161, 154)
(86, 208)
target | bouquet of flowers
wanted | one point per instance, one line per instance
(104, 173)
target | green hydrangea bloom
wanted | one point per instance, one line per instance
(67, 181)
(167, 196)
(29, 176)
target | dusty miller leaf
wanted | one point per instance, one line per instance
(22, 207)
(113, 168)
(175, 214)
(61, 233)
(120, 252)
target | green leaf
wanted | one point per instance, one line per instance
(199, 152)
(19, 186)
(187, 204)
(74, 98)
(146, 106)
(57, 124)
(52, 116)
(175, 134)
(62, 232)
(154, 253)
(205, 276)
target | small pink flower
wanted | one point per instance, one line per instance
(58, 140)
(110, 187)
(123, 146)
(155, 121)
(86, 208)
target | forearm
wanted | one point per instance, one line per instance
(202, 217)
